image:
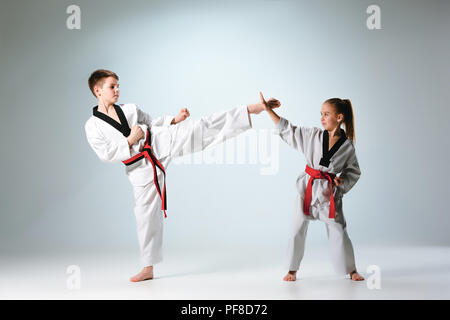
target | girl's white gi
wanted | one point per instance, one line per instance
(309, 142)
(167, 141)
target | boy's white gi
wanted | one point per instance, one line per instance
(313, 143)
(167, 141)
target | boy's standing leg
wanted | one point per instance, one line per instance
(149, 223)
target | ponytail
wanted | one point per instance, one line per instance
(344, 106)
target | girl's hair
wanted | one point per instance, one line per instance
(344, 106)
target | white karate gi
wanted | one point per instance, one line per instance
(309, 141)
(167, 141)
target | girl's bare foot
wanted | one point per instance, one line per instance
(291, 276)
(145, 274)
(355, 276)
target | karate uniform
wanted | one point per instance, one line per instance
(108, 139)
(314, 143)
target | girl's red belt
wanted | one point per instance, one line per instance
(317, 174)
(147, 153)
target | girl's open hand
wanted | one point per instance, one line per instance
(183, 115)
(269, 104)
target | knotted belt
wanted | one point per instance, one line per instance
(148, 154)
(317, 174)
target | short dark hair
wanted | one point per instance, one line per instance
(98, 78)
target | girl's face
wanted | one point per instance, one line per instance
(109, 92)
(329, 118)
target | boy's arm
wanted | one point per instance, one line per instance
(164, 121)
(106, 149)
(145, 118)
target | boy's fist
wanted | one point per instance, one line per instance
(136, 134)
(183, 115)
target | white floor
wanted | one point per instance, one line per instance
(405, 273)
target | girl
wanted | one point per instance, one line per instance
(328, 152)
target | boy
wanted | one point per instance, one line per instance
(128, 134)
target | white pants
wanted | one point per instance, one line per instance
(186, 137)
(340, 246)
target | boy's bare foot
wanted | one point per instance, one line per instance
(145, 274)
(355, 276)
(291, 276)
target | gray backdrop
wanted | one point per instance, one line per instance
(210, 56)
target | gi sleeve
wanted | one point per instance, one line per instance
(106, 149)
(145, 118)
(350, 174)
(296, 137)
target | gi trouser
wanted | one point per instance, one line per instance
(340, 246)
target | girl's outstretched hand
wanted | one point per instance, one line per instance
(183, 115)
(270, 104)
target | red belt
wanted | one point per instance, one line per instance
(317, 174)
(147, 153)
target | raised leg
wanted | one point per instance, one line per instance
(195, 135)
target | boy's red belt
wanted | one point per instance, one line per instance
(147, 153)
(317, 174)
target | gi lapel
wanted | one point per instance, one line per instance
(122, 126)
(326, 155)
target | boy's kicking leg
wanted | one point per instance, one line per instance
(186, 137)
(195, 135)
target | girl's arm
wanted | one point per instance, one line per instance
(268, 107)
(297, 137)
(350, 175)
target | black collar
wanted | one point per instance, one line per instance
(327, 154)
(122, 126)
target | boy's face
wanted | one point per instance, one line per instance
(109, 92)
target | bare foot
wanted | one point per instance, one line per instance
(291, 276)
(145, 274)
(355, 276)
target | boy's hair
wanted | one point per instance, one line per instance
(98, 78)
(344, 106)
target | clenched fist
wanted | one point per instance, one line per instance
(183, 115)
(136, 134)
